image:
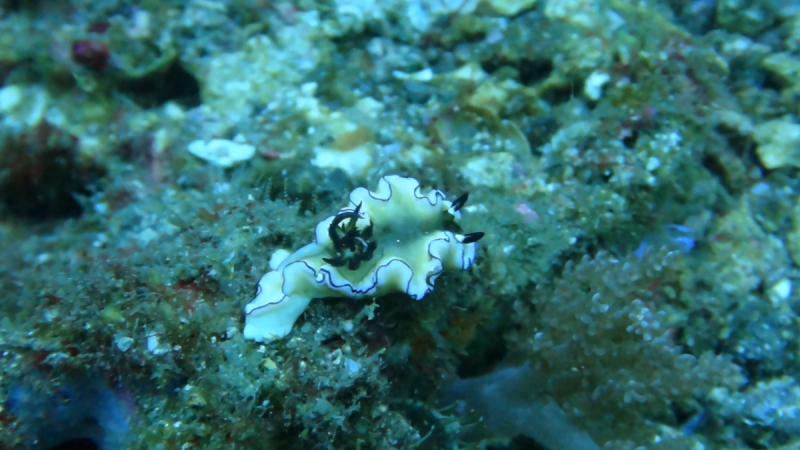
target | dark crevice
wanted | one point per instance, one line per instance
(772, 82)
(716, 166)
(697, 17)
(630, 140)
(740, 144)
(76, 444)
(484, 354)
(562, 94)
(173, 84)
(535, 71)
(530, 71)
(539, 130)
(41, 174)
(19, 5)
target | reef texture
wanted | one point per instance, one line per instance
(633, 165)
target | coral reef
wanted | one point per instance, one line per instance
(633, 165)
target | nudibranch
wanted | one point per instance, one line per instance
(393, 239)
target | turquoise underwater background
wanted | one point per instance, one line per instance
(633, 165)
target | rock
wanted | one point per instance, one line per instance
(741, 255)
(10, 97)
(748, 17)
(579, 13)
(782, 67)
(780, 291)
(23, 107)
(354, 162)
(351, 148)
(266, 69)
(221, 152)
(509, 8)
(421, 14)
(593, 88)
(793, 237)
(778, 144)
(735, 122)
(491, 170)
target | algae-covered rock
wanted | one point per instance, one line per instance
(748, 17)
(778, 144)
(267, 67)
(580, 13)
(793, 237)
(23, 107)
(742, 254)
(353, 16)
(14, 48)
(345, 138)
(736, 122)
(491, 170)
(471, 129)
(783, 67)
(422, 14)
(793, 40)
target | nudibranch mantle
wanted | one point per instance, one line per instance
(393, 239)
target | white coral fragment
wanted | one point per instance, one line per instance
(221, 152)
(393, 239)
(593, 87)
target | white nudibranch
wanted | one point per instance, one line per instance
(395, 239)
